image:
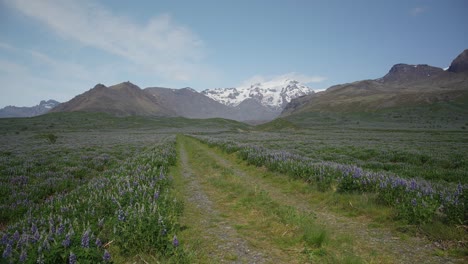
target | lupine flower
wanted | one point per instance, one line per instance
(4, 240)
(106, 257)
(66, 242)
(175, 241)
(121, 215)
(23, 256)
(85, 239)
(98, 242)
(36, 236)
(16, 236)
(45, 244)
(7, 251)
(33, 228)
(60, 229)
(72, 258)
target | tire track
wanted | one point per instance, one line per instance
(382, 240)
(230, 244)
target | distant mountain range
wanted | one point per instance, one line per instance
(404, 85)
(258, 102)
(15, 111)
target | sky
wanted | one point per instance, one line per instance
(57, 49)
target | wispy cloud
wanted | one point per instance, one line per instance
(159, 46)
(416, 11)
(303, 78)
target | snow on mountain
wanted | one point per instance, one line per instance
(274, 94)
(42, 108)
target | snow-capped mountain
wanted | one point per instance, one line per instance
(42, 108)
(274, 94)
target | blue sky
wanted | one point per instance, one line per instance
(60, 48)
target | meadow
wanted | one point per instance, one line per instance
(92, 188)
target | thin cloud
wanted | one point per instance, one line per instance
(416, 11)
(159, 46)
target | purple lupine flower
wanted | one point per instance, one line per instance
(23, 256)
(414, 202)
(60, 229)
(98, 242)
(175, 241)
(106, 257)
(85, 239)
(4, 240)
(72, 258)
(33, 228)
(46, 245)
(156, 195)
(121, 215)
(413, 185)
(52, 225)
(7, 251)
(36, 236)
(16, 236)
(66, 242)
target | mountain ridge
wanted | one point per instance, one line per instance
(274, 94)
(122, 99)
(403, 85)
(25, 111)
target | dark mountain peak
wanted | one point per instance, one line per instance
(189, 89)
(407, 73)
(460, 63)
(99, 86)
(126, 85)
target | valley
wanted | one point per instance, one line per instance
(223, 195)
(369, 172)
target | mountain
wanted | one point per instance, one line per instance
(404, 85)
(123, 99)
(402, 73)
(189, 103)
(274, 95)
(460, 64)
(42, 108)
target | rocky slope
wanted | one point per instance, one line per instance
(122, 100)
(403, 85)
(15, 111)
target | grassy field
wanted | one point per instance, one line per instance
(98, 188)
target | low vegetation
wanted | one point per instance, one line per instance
(93, 188)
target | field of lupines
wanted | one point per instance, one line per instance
(95, 199)
(438, 156)
(417, 201)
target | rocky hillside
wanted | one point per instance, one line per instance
(122, 100)
(15, 111)
(403, 85)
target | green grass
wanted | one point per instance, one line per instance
(83, 121)
(261, 217)
(355, 205)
